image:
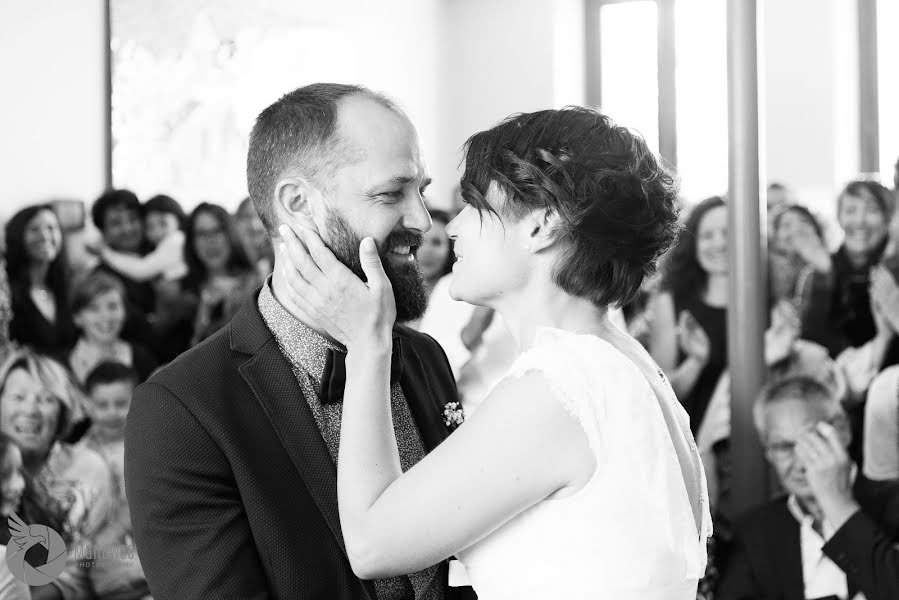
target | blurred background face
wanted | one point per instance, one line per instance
(491, 253)
(434, 251)
(43, 237)
(790, 225)
(251, 230)
(109, 406)
(211, 242)
(28, 414)
(158, 225)
(785, 421)
(711, 241)
(101, 321)
(11, 480)
(863, 223)
(122, 229)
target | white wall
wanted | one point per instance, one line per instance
(811, 96)
(52, 103)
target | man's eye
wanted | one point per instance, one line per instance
(395, 195)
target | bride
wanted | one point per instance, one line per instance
(578, 477)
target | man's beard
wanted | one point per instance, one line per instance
(408, 284)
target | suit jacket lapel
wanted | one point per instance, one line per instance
(786, 554)
(269, 375)
(423, 403)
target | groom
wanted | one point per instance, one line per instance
(230, 451)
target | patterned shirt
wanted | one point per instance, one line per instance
(307, 352)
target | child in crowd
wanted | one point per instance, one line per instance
(109, 387)
(163, 223)
(98, 309)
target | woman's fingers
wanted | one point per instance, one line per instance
(323, 257)
(303, 291)
(371, 264)
(299, 255)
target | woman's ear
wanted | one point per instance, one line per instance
(543, 224)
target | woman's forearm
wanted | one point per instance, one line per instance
(685, 376)
(368, 460)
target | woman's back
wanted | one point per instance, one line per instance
(635, 530)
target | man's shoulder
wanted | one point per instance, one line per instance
(425, 346)
(200, 365)
(766, 519)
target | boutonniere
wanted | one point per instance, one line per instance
(453, 415)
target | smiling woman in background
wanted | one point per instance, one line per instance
(39, 280)
(220, 273)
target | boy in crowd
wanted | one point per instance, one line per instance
(118, 573)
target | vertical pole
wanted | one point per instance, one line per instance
(746, 320)
(593, 64)
(667, 84)
(107, 121)
(869, 142)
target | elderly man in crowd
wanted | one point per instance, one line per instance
(817, 542)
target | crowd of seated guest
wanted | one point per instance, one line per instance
(75, 340)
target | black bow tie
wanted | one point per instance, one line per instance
(334, 377)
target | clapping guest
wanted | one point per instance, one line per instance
(689, 335)
(881, 461)
(220, 273)
(98, 309)
(39, 280)
(864, 209)
(798, 253)
(38, 401)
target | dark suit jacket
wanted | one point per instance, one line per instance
(232, 491)
(765, 560)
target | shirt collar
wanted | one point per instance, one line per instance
(805, 519)
(303, 346)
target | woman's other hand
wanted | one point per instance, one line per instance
(353, 312)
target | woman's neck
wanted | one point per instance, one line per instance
(530, 310)
(716, 290)
(33, 462)
(37, 274)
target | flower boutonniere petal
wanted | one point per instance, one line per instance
(453, 415)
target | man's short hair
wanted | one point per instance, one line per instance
(91, 286)
(810, 392)
(110, 372)
(113, 199)
(299, 131)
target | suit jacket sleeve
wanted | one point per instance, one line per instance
(866, 555)
(190, 527)
(739, 580)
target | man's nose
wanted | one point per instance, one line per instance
(417, 216)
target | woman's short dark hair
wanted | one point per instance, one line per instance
(18, 260)
(92, 285)
(616, 201)
(238, 261)
(864, 187)
(805, 213)
(683, 276)
(113, 199)
(165, 204)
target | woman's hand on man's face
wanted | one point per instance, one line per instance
(353, 312)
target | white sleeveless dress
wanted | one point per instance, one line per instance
(629, 533)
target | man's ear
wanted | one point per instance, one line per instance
(296, 200)
(543, 224)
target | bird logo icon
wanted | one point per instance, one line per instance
(24, 537)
